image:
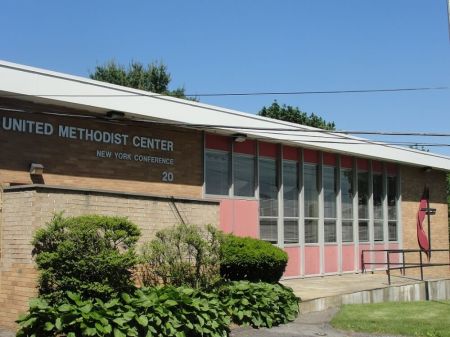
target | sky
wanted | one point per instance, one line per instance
(259, 46)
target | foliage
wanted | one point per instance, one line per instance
(428, 318)
(161, 311)
(182, 255)
(154, 77)
(245, 258)
(259, 304)
(295, 115)
(90, 254)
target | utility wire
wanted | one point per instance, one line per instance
(257, 93)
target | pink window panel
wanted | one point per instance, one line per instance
(239, 217)
(392, 169)
(377, 166)
(268, 149)
(312, 260)
(367, 256)
(247, 147)
(348, 257)
(331, 258)
(380, 257)
(329, 159)
(293, 265)
(363, 164)
(346, 162)
(290, 153)
(311, 156)
(217, 142)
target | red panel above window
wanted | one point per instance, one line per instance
(392, 169)
(247, 147)
(329, 159)
(377, 166)
(290, 153)
(363, 164)
(217, 142)
(311, 156)
(346, 161)
(268, 149)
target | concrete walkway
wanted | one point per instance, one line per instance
(314, 324)
(326, 286)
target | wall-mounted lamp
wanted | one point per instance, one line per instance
(239, 137)
(36, 169)
(427, 169)
(115, 114)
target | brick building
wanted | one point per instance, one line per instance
(80, 146)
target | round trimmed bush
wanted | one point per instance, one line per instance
(245, 258)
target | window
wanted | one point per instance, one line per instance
(290, 196)
(311, 190)
(244, 175)
(329, 189)
(268, 195)
(347, 204)
(378, 197)
(268, 230)
(217, 172)
(392, 208)
(363, 205)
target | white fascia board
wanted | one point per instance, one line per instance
(95, 95)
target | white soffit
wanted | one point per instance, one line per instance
(67, 90)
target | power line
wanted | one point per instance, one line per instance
(260, 93)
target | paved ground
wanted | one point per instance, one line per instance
(317, 287)
(6, 333)
(313, 324)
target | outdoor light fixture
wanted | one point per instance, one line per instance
(36, 169)
(115, 114)
(239, 137)
(427, 169)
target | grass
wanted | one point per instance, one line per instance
(428, 319)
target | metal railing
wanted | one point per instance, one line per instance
(402, 265)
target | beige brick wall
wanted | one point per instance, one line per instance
(24, 211)
(413, 181)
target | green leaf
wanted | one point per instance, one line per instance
(170, 303)
(118, 333)
(142, 320)
(48, 326)
(65, 307)
(58, 323)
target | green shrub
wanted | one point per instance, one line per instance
(161, 311)
(93, 255)
(259, 304)
(182, 255)
(245, 258)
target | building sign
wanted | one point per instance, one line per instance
(85, 146)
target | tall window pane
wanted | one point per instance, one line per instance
(311, 188)
(347, 204)
(291, 231)
(392, 198)
(392, 208)
(268, 230)
(268, 189)
(311, 231)
(244, 175)
(363, 195)
(217, 172)
(363, 206)
(330, 230)
(290, 189)
(329, 188)
(378, 196)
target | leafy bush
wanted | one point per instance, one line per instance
(245, 258)
(259, 304)
(161, 311)
(182, 255)
(90, 254)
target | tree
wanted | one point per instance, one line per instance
(154, 77)
(295, 115)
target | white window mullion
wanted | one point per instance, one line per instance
(321, 216)
(339, 212)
